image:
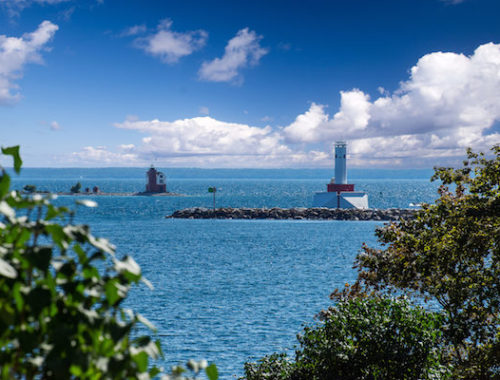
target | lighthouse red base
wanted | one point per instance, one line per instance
(338, 187)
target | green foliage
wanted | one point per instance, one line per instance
(29, 188)
(451, 253)
(272, 367)
(76, 188)
(363, 338)
(61, 291)
(14, 152)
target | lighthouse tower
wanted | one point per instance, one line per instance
(156, 181)
(340, 162)
(339, 193)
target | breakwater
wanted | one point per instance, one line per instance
(319, 213)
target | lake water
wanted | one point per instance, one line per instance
(231, 291)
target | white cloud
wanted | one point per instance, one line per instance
(241, 51)
(205, 136)
(168, 45)
(14, 7)
(15, 52)
(307, 127)
(449, 103)
(133, 30)
(201, 142)
(102, 156)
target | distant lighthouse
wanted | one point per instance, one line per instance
(340, 162)
(156, 181)
(339, 193)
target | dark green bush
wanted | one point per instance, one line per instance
(363, 338)
(76, 187)
(272, 367)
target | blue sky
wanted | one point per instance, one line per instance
(248, 84)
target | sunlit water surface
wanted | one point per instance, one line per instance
(231, 291)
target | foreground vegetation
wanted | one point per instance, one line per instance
(449, 254)
(61, 291)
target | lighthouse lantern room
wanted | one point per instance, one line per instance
(339, 193)
(156, 181)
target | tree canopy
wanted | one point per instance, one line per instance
(450, 253)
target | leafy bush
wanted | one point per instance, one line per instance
(61, 291)
(451, 253)
(272, 367)
(363, 338)
(76, 188)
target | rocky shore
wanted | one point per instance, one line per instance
(293, 213)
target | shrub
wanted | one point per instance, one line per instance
(76, 188)
(61, 291)
(272, 367)
(363, 338)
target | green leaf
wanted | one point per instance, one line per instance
(75, 370)
(52, 212)
(212, 372)
(18, 297)
(141, 360)
(4, 184)
(111, 292)
(14, 152)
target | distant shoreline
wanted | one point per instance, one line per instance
(167, 194)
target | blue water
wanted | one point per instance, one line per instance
(231, 291)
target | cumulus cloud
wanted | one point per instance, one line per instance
(202, 142)
(449, 102)
(241, 51)
(205, 136)
(102, 156)
(15, 52)
(167, 44)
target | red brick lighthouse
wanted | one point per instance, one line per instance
(156, 181)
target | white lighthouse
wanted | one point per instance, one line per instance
(339, 193)
(340, 162)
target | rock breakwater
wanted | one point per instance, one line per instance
(319, 213)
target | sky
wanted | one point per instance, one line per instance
(249, 84)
